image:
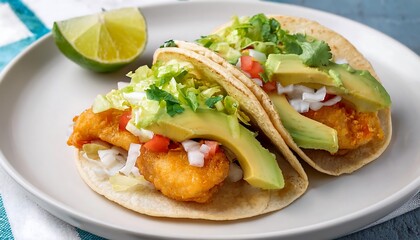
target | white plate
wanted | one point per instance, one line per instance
(41, 91)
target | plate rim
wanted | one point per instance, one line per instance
(39, 196)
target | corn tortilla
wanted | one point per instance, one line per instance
(234, 200)
(341, 48)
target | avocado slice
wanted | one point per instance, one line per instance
(360, 88)
(289, 69)
(306, 133)
(258, 164)
(357, 87)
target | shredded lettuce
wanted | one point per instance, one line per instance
(113, 99)
(265, 35)
(121, 182)
(190, 97)
(91, 149)
(231, 105)
(167, 88)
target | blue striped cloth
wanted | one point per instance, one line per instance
(6, 232)
(402, 227)
(31, 21)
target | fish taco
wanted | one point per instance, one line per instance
(180, 140)
(321, 94)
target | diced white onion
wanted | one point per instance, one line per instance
(281, 89)
(332, 101)
(259, 56)
(112, 159)
(302, 98)
(318, 96)
(315, 106)
(195, 152)
(133, 154)
(318, 105)
(190, 145)
(298, 90)
(122, 85)
(204, 149)
(258, 81)
(143, 134)
(196, 158)
(235, 173)
(341, 61)
(303, 89)
(299, 105)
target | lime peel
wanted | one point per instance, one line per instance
(103, 42)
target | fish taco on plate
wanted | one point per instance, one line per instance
(321, 94)
(180, 140)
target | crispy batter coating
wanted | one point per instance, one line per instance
(171, 174)
(354, 129)
(90, 126)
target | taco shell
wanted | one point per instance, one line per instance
(234, 200)
(341, 48)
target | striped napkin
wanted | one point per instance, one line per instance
(21, 23)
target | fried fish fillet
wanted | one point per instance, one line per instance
(170, 171)
(90, 126)
(354, 129)
(172, 174)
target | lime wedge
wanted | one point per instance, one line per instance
(103, 42)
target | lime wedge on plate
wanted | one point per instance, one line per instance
(102, 42)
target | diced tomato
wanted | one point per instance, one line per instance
(269, 86)
(256, 69)
(158, 143)
(214, 147)
(124, 119)
(251, 66)
(246, 63)
(328, 97)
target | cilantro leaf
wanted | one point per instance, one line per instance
(316, 53)
(157, 94)
(173, 108)
(172, 104)
(210, 102)
(168, 43)
(290, 43)
(263, 29)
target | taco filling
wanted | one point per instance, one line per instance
(175, 130)
(323, 103)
